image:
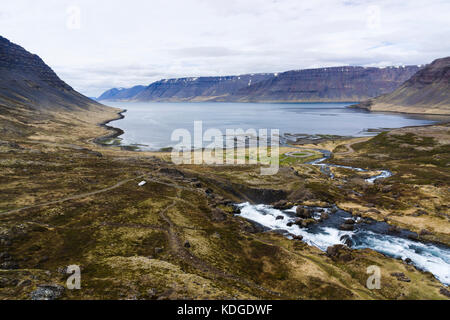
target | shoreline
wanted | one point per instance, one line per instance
(368, 109)
(116, 132)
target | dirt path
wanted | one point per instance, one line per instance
(73, 197)
(349, 147)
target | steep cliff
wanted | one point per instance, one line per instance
(428, 92)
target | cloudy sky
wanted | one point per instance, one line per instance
(97, 45)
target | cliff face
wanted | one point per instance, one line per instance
(339, 84)
(428, 91)
(199, 89)
(26, 80)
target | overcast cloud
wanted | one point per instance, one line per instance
(100, 44)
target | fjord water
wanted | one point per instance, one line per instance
(151, 124)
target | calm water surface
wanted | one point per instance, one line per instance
(151, 124)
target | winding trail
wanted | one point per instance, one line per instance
(349, 147)
(73, 197)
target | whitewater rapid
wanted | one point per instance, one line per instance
(376, 236)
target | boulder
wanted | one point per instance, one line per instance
(299, 238)
(340, 252)
(347, 240)
(303, 213)
(9, 265)
(187, 244)
(401, 276)
(282, 205)
(47, 292)
(280, 218)
(346, 227)
(324, 216)
(425, 232)
(304, 223)
(236, 209)
(393, 229)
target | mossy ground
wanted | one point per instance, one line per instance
(130, 241)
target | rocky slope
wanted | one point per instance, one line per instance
(428, 91)
(30, 93)
(26, 79)
(338, 84)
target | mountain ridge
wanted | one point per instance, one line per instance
(332, 84)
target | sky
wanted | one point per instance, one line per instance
(101, 44)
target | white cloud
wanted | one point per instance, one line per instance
(124, 43)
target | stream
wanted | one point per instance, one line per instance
(367, 233)
(325, 168)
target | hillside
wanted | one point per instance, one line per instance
(31, 94)
(426, 92)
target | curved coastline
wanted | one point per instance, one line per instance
(116, 132)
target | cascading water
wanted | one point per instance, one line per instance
(374, 235)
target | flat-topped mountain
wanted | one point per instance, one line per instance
(428, 91)
(337, 84)
(188, 89)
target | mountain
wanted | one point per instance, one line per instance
(428, 92)
(31, 92)
(337, 84)
(188, 89)
(118, 94)
(25, 79)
